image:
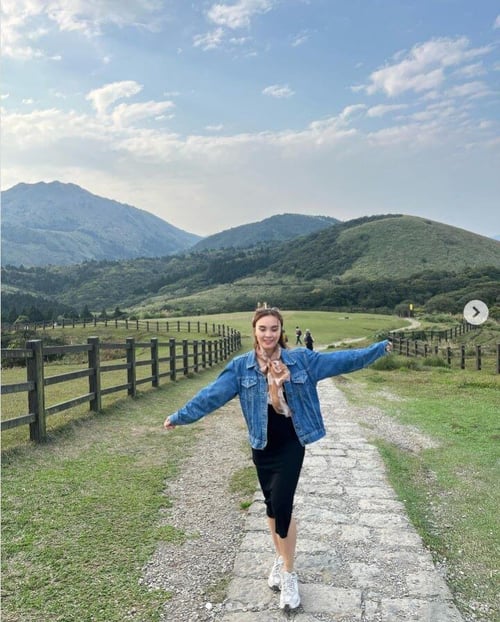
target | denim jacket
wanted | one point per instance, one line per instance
(242, 377)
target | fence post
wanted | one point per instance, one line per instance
(195, 356)
(131, 375)
(203, 353)
(185, 357)
(36, 396)
(210, 356)
(478, 358)
(498, 358)
(154, 362)
(462, 356)
(448, 355)
(94, 356)
(172, 359)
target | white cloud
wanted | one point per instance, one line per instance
(471, 71)
(103, 97)
(238, 15)
(27, 21)
(497, 22)
(210, 40)
(469, 89)
(278, 91)
(128, 114)
(300, 39)
(381, 110)
(423, 68)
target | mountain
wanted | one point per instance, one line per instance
(61, 224)
(277, 228)
(374, 262)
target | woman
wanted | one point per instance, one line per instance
(308, 340)
(279, 400)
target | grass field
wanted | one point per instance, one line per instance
(80, 513)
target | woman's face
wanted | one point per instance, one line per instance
(267, 332)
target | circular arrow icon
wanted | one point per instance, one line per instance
(476, 312)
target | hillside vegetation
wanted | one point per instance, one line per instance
(61, 224)
(376, 263)
(277, 228)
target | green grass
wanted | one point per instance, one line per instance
(451, 493)
(81, 512)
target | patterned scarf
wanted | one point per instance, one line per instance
(276, 372)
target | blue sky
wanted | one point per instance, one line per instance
(216, 114)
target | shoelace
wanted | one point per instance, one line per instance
(288, 582)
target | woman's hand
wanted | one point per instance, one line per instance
(167, 425)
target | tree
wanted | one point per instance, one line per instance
(86, 314)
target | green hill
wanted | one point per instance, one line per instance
(277, 228)
(373, 247)
(369, 263)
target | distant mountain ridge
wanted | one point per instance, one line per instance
(61, 224)
(277, 228)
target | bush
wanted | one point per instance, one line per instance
(387, 363)
(435, 361)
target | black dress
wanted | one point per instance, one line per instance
(278, 468)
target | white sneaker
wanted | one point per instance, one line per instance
(274, 580)
(289, 596)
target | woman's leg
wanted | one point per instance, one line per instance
(287, 546)
(272, 528)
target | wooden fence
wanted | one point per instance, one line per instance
(182, 358)
(457, 355)
(447, 334)
(158, 326)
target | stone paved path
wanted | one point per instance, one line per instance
(358, 557)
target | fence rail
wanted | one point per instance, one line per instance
(459, 354)
(447, 334)
(167, 326)
(184, 356)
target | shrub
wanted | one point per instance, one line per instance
(435, 361)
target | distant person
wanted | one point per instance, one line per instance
(278, 396)
(308, 340)
(298, 335)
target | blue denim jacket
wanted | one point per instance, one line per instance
(243, 377)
